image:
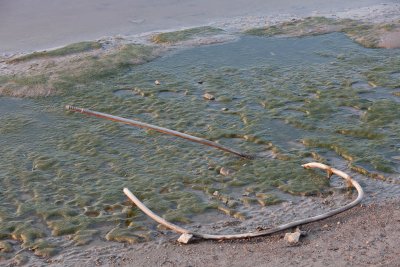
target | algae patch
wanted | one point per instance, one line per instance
(47, 74)
(60, 52)
(301, 27)
(382, 35)
(184, 35)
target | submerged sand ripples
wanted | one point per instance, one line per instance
(287, 100)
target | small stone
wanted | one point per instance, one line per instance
(216, 193)
(325, 226)
(224, 109)
(157, 82)
(209, 96)
(185, 238)
(338, 222)
(292, 238)
(225, 171)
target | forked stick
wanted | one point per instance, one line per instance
(187, 234)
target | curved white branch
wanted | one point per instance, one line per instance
(189, 233)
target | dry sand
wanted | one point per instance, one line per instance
(28, 25)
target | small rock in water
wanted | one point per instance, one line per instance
(225, 171)
(396, 157)
(224, 109)
(292, 238)
(157, 82)
(209, 96)
(216, 193)
(185, 238)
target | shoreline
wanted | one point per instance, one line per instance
(23, 36)
(366, 235)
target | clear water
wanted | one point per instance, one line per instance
(286, 100)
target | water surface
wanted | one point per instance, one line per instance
(287, 100)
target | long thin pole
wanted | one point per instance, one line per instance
(156, 128)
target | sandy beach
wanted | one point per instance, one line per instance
(367, 235)
(37, 25)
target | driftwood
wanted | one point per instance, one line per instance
(187, 234)
(156, 128)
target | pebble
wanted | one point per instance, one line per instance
(224, 109)
(209, 96)
(225, 171)
(185, 238)
(292, 238)
(157, 82)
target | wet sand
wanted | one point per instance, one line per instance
(28, 25)
(367, 235)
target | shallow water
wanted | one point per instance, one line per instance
(286, 100)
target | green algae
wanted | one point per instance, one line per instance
(5, 247)
(184, 35)
(71, 169)
(368, 35)
(42, 248)
(14, 123)
(127, 235)
(60, 52)
(61, 77)
(26, 86)
(20, 259)
(302, 27)
(102, 67)
(84, 237)
(382, 112)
